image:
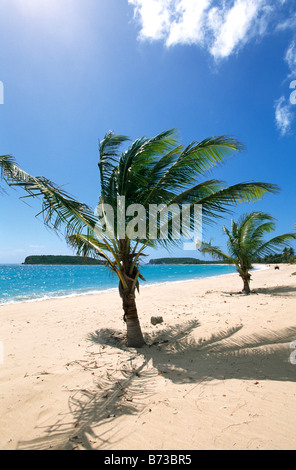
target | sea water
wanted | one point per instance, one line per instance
(21, 283)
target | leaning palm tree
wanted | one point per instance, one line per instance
(246, 243)
(150, 172)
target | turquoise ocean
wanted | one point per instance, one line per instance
(22, 283)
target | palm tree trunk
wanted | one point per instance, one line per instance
(134, 333)
(246, 280)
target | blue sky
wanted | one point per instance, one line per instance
(72, 70)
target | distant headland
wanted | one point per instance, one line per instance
(287, 256)
(182, 261)
(62, 260)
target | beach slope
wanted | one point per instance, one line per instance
(218, 373)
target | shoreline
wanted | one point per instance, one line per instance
(115, 289)
(216, 374)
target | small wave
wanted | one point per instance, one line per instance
(54, 295)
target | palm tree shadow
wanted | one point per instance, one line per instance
(115, 394)
(278, 290)
(227, 354)
(178, 356)
(284, 291)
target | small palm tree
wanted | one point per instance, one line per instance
(151, 171)
(245, 243)
(291, 255)
(286, 254)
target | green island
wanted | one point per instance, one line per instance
(287, 256)
(182, 261)
(62, 260)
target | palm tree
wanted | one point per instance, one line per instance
(151, 171)
(291, 255)
(285, 254)
(245, 243)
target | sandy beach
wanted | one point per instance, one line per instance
(216, 374)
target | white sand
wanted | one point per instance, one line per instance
(218, 375)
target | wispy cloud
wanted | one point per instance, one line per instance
(287, 23)
(290, 57)
(235, 27)
(220, 27)
(284, 109)
(283, 115)
(188, 22)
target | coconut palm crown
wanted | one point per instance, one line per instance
(156, 170)
(245, 242)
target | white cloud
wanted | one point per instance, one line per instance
(219, 26)
(283, 115)
(154, 16)
(235, 27)
(189, 27)
(222, 27)
(291, 57)
(287, 23)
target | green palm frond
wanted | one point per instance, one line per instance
(136, 162)
(217, 200)
(194, 161)
(7, 165)
(274, 244)
(88, 245)
(155, 170)
(223, 200)
(245, 240)
(59, 209)
(109, 154)
(7, 162)
(216, 253)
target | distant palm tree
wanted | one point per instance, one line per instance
(291, 254)
(245, 243)
(285, 254)
(151, 171)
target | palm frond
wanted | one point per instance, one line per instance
(194, 161)
(271, 246)
(215, 252)
(136, 162)
(59, 209)
(245, 240)
(7, 163)
(109, 155)
(155, 170)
